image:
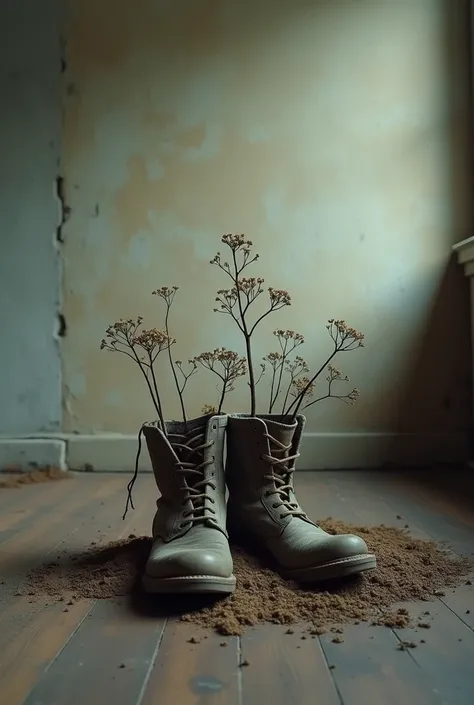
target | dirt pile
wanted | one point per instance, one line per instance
(408, 569)
(14, 480)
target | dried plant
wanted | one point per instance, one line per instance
(344, 339)
(142, 345)
(208, 409)
(294, 369)
(288, 340)
(167, 293)
(227, 365)
(292, 386)
(237, 301)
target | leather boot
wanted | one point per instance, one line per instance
(190, 551)
(263, 511)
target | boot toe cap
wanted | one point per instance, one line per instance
(347, 545)
(334, 548)
(174, 560)
(312, 547)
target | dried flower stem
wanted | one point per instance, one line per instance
(185, 375)
(167, 294)
(127, 337)
(231, 365)
(295, 368)
(345, 339)
(288, 340)
(334, 376)
(237, 301)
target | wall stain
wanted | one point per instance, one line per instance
(155, 85)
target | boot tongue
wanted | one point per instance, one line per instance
(283, 433)
(184, 446)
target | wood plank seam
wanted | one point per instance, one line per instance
(330, 670)
(152, 663)
(55, 658)
(456, 614)
(240, 687)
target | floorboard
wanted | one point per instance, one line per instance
(285, 668)
(368, 668)
(97, 651)
(106, 660)
(192, 668)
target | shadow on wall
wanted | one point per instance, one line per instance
(428, 405)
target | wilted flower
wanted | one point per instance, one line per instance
(120, 333)
(279, 298)
(281, 334)
(274, 359)
(235, 242)
(345, 337)
(232, 363)
(303, 386)
(335, 374)
(227, 365)
(296, 366)
(153, 341)
(208, 409)
(167, 293)
(353, 396)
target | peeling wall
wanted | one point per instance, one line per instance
(336, 135)
(30, 129)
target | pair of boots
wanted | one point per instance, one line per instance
(193, 522)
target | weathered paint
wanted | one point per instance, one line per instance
(336, 135)
(30, 95)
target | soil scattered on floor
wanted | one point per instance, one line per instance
(14, 480)
(407, 569)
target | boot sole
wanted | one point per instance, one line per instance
(195, 584)
(341, 568)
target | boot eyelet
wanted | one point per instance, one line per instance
(214, 427)
(274, 506)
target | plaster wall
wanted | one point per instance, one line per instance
(336, 135)
(30, 287)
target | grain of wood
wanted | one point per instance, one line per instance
(192, 668)
(369, 669)
(285, 668)
(106, 660)
(41, 646)
(31, 633)
(444, 652)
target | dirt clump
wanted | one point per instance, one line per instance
(13, 480)
(100, 572)
(408, 569)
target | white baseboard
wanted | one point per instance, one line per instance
(319, 451)
(26, 453)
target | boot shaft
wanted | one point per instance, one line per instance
(187, 463)
(251, 442)
(261, 454)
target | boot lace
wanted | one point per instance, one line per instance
(282, 478)
(194, 481)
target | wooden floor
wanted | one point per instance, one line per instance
(101, 652)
